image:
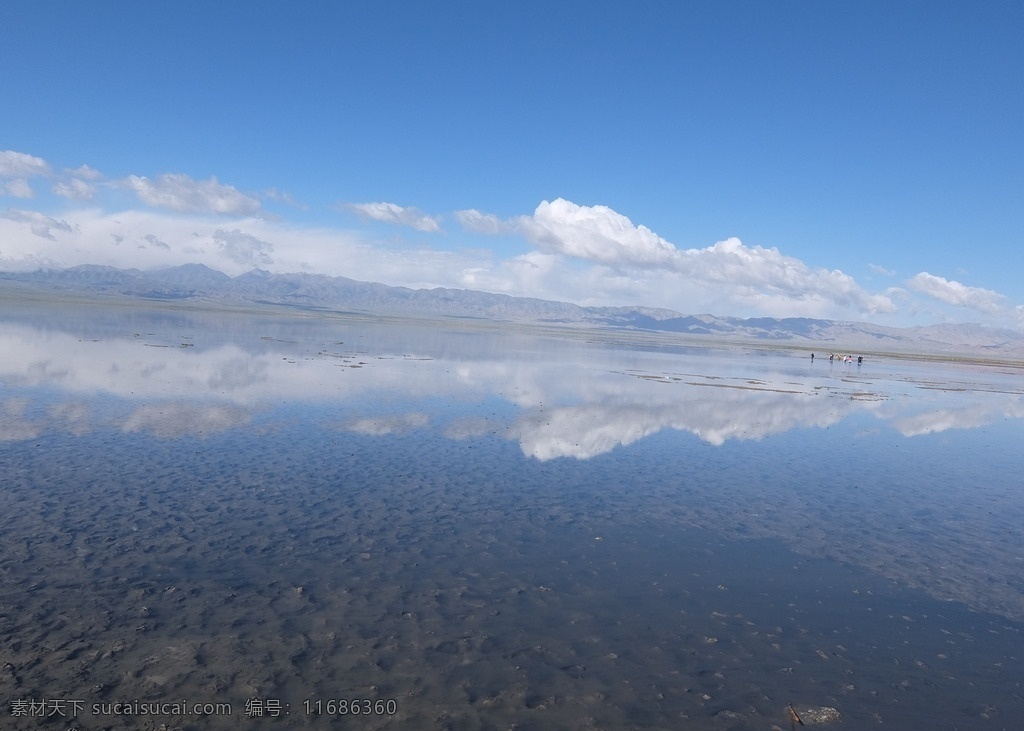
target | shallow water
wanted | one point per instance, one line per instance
(496, 527)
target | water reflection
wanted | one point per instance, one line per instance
(559, 396)
(498, 526)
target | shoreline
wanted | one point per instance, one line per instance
(33, 296)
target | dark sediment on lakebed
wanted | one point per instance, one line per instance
(208, 579)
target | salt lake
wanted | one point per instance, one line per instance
(224, 519)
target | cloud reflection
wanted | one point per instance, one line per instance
(14, 425)
(175, 419)
(584, 431)
(385, 425)
(560, 397)
(970, 416)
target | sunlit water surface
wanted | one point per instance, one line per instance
(496, 527)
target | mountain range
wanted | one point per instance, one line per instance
(199, 283)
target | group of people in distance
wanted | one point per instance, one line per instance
(842, 358)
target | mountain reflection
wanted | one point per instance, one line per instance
(576, 394)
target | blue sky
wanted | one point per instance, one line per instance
(852, 160)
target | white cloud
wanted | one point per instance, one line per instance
(78, 183)
(280, 196)
(955, 293)
(40, 225)
(15, 170)
(392, 213)
(85, 173)
(595, 233)
(878, 269)
(483, 223)
(589, 255)
(634, 259)
(178, 192)
(243, 248)
(19, 165)
(728, 277)
(18, 188)
(146, 239)
(75, 189)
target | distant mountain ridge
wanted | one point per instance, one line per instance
(197, 282)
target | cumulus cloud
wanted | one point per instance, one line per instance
(632, 253)
(17, 188)
(15, 170)
(392, 213)
(955, 293)
(595, 233)
(78, 184)
(75, 189)
(772, 274)
(19, 165)
(179, 192)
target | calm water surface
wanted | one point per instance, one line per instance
(473, 526)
